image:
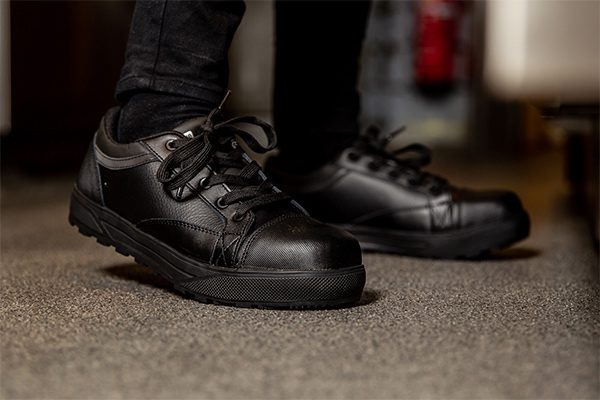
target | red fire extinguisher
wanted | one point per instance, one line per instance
(437, 24)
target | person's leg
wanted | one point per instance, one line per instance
(384, 199)
(176, 63)
(316, 102)
(188, 201)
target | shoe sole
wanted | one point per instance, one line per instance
(213, 284)
(467, 243)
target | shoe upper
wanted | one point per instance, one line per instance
(195, 189)
(368, 186)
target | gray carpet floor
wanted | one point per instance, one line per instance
(80, 321)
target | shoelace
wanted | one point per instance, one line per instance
(192, 154)
(408, 160)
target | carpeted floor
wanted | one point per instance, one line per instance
(80, 321)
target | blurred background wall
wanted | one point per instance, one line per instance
(65, 60)
(426, 64)
(447, 108)
(4, 67)
(66, 56)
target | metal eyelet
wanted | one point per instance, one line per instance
(203, 184)
(170, 145)
(353, 156)
(435, 190)
(237, 217)
(373, 166)
(393, 174)
(220, 203)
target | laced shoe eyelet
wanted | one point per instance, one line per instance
(220, 203)
(352, 156)
(203, 183)
(170, 145)
(393, 174)
(413, 182)
(374, 166)
(434, 190)
(237, 217)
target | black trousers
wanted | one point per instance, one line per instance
(180, 47)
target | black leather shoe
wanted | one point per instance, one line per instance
(389, 204)
(194, 207)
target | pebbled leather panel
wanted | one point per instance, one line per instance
(196, 241)
(88, 180)
(136, 195)
(295, 241)
(158, 146)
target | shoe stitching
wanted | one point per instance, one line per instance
(224, 251)
(221, 240)
(433, 215)
(212, 253)
(261, 229)
(379, 213)
(225, 248)
(239, 243)
(129, 158)
(160, 221)
(442, 219)
(220, 235)
(98, 174)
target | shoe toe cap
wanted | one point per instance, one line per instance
(486, 206)
(300, 243)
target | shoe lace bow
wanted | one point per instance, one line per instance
(208, 146)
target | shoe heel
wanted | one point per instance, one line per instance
(82, 216)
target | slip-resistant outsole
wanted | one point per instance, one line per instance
(467, 243)
(212, 284)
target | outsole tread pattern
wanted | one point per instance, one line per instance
(206, 300)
